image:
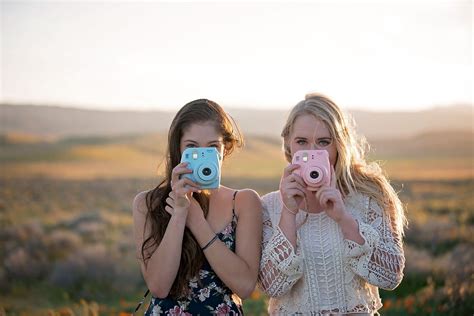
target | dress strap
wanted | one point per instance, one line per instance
(233, 204)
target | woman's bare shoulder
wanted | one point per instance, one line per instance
(139, 202)
(248, 194)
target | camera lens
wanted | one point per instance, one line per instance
(314, 174)
(206, 171)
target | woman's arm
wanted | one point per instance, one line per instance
(237, 270)
(161, 268)
(373, 248)
(291, 191)
(380, 259)
(281, 265)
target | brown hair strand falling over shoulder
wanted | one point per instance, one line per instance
(192, 257)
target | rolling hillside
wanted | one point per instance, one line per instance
(436, 154)
(67, 122)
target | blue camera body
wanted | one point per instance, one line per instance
(205, 163)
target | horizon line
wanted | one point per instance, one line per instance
(231, 107)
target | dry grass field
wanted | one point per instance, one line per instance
(65, 221)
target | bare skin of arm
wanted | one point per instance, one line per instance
(161, 268)
(237, 270)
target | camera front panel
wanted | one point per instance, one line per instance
(205, 164)
(315, 168)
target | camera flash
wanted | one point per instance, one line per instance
(305, 157)
(195, 155)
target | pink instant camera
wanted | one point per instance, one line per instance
(315, 168)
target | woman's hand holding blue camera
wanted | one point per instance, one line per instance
(180, 200)
(182, 187)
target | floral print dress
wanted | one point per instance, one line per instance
(210, 296)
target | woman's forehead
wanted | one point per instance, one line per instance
(207, 130)
(309, 125)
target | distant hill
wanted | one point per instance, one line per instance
(64, 122)
(435, 145)
(404, 124)
(67, 122)
(443, 155)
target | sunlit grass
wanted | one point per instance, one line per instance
(71, 201)
(430, 168)
(25, 138)
(137, 157)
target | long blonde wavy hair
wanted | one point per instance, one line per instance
(354, 174)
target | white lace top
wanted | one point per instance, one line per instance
(327, 274)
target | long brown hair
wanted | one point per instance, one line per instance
(192, 257)
(353, 172)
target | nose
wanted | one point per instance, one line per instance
(313, 146)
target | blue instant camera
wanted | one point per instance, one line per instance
(205, 163)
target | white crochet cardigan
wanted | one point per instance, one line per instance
(327, 274)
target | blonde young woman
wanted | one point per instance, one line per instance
(327, 252)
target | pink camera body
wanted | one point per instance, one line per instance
(315, 168)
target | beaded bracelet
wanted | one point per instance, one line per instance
(209, 243)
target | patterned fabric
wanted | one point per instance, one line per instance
(207, 295)
(327, 274)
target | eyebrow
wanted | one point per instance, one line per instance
(319, 138)
(195, 142)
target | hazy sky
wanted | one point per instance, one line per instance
(381, 55)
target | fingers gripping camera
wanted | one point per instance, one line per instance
(205, 163)
(315, 168)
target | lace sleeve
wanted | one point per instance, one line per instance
(380, 260)
(280, 266)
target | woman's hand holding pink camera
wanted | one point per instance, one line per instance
(330, 198)
(292, 189)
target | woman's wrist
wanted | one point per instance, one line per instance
(178, 218)
(350, 228)
(345, 219)
(287, 210)
(210, 242)
(196, 223)
(203, 233)
(181, 212)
